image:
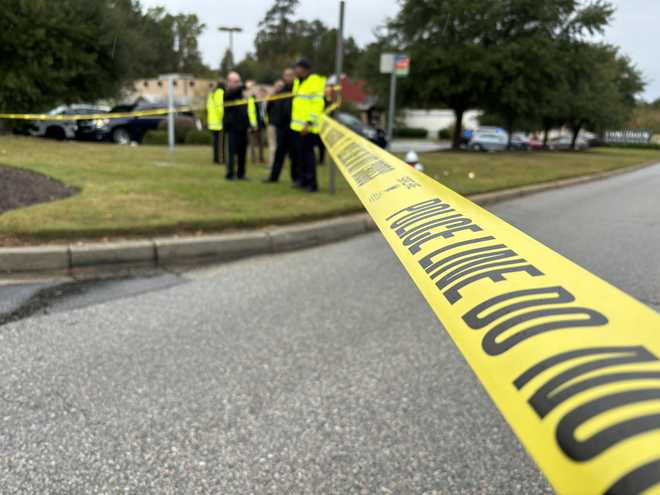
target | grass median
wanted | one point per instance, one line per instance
(128, 192)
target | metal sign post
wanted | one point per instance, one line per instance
(339, 61)
(396, 65)
(170, 115)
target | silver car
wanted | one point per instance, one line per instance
(488, 141)
(63, 129)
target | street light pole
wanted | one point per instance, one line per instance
(231, 30)
(339, 62)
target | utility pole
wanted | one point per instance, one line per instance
(392, 110)
(339, 62)
(231, 30)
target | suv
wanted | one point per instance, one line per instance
(124, 130)
(62, 129)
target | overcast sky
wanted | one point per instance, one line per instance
(634, 28)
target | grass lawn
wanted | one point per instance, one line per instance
(133, 191)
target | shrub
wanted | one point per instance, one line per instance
(159, 137)
(445, 134)
(198, 137)
(411, 132)
(155, 137)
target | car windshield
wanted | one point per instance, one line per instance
(350, 120)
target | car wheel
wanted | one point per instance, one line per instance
(476, 147)
(55, 133)
(121, 136)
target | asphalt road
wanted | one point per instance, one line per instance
(320, 371)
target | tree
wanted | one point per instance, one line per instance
(227, 62)
(54, 52)
(603, 87)
(449, 43)
(282, 39)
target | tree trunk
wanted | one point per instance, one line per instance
(546, 133)
(458, 129)
(509, 130)
(576, 132)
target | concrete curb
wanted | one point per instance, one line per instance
(169, 251)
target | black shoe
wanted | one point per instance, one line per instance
(269, 181)
(298, 185)
(312, 189)
(230, 177)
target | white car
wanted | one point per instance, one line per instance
(563, 143)
(63, 129)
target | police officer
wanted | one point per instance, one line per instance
(306, 110)
(214, 115)
(238, 118)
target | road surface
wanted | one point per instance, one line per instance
(319, 371)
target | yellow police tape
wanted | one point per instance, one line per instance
(571, 362)
(140, 113)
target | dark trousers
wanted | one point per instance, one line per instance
(304, 149)
(321, 147)
(217, 146)
(284, 147)
(237, 150)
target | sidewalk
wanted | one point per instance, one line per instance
(417, 145)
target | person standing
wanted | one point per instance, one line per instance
(272, 129)
(306, 111)
(236, 123)
(214, 116)
(279, 115)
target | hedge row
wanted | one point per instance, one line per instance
(190, 136)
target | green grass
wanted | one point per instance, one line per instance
(128, 192)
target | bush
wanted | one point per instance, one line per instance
(411, 132)
(155, 137)
(160, 137)
(198, 137)
(445, 134)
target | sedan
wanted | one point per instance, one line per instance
(488, 142)
(63, 129)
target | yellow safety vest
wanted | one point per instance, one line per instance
(252, 112)
(215, 109)
(308, 103)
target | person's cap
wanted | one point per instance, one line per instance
(303, 62)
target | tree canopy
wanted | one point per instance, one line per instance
(79, 50)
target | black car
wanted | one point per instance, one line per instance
(376, 136)
(124, 130)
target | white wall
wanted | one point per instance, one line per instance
(434, 120)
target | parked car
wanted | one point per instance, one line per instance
(563, 143)
(535, 143)
(376, 136)
(485, 141)
(124, 130)
(62, 129)
(519, 142)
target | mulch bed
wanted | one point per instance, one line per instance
(20, 188)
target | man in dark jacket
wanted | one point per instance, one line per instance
(279, 115)
(236, 124)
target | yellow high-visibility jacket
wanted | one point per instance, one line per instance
(308, 103)
(215, 109)
(252, 112)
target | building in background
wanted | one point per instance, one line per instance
(188, 90)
